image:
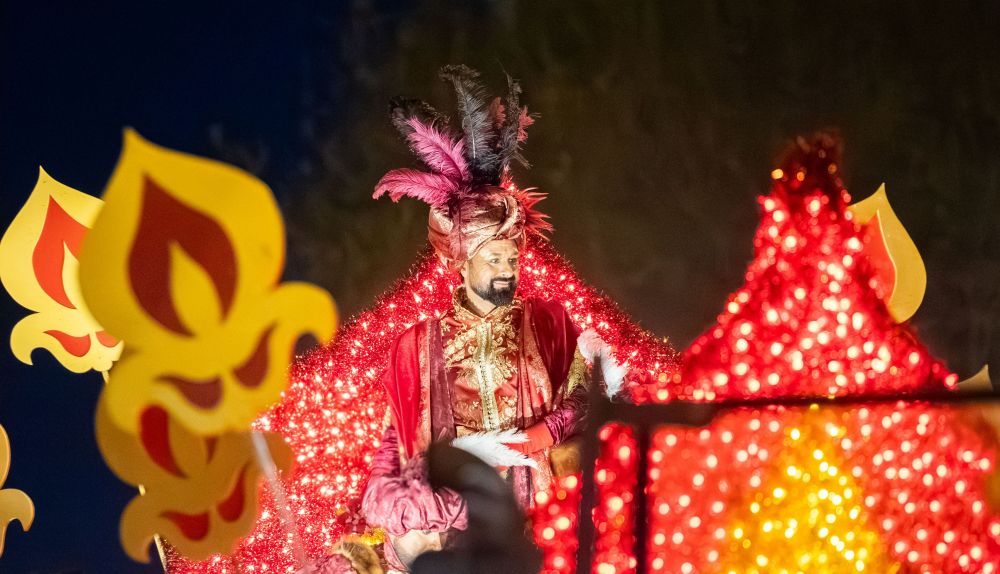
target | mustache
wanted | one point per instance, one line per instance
(496, 294)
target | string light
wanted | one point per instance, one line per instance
(887, 488)
(332, 413)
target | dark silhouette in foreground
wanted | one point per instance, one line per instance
(496, 540)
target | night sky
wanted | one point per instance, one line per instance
(75, 74)
(659, 123)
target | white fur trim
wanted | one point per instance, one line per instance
(590, 344)
(490, 447)
(593, 347)
(614, 374)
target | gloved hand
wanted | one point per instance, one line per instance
(538, 438)
(497, 448)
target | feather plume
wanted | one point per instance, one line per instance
(525, 121)
(509, 148)
(592, 347)
(490, 447)
(431, 188)
(534, 221)
(438, 150)
(484, 162)
(402, 110)
(614, 376)
(497, 114)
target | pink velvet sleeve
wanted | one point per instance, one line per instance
(386, 459)
(400, 499)
(568, 418)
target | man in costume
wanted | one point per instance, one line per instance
(498, 375)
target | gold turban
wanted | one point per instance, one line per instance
(459, 232)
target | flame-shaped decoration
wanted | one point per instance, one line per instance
(979, 382)
(183, 263)
(38, 266)
(14, 504)
(199, 492)
(897, 262)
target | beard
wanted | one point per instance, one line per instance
(499, 296)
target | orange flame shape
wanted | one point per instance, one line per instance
(38, 266)
(14, 504)
(183, 263)
(902, 277)
(199, 493)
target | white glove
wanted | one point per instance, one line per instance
(491, 447)
(593, 347)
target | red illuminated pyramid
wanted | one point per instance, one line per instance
(883, 488)
(809, 319)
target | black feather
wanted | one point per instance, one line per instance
(509, 145)
(401, 110)
(480, 137)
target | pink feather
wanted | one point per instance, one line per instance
(440, 152)
(534, 220)
(431, 188)
(523, 122)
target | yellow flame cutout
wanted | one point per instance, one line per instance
(38, 268)
(199, 493)
(902, 272)
(14, 504)
(183, 262)
(978, 382)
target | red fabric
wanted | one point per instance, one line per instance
(402, 384)
(442, 411)
(568, 418)
(556, 337)
(385, 462)
(539, 438)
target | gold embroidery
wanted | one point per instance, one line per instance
(500, 337)
(483, 362)
(508, 411)
(423, 437)
(577, 373)
(482, 348)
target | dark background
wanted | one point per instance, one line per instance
(659, 125)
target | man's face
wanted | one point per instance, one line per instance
(492, 273)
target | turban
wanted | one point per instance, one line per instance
(457, 234)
